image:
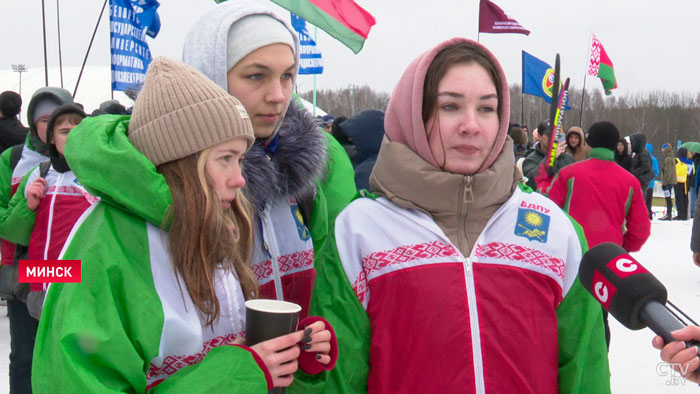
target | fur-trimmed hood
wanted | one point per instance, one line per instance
(300, 159)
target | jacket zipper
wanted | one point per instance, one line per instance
(50, 224)
(272, 251)
(467, 198)
(474, 326)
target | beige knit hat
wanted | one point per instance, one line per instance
(180, 112)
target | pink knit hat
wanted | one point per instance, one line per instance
(403, 121)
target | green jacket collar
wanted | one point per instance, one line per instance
(108, 165)
(602, 154)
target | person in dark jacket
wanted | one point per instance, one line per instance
(534, 160)
(695, 236)
(668, 178)
(684, 168)
(622, 156)
(341, 137)
(641, 160)
(650, 191)
(366, 131)
(12, 131)
(696, 183)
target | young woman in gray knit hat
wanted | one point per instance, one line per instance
(298, 177)
(165, 270)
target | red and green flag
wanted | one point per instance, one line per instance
(601, 66)
(346, 21)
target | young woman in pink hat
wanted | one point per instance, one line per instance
(465, 281)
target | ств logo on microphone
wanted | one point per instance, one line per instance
(50, 271)
(603, 290)
(624, 265)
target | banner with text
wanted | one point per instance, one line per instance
(310, 61)
(129, 23)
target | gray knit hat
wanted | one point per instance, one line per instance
(180, 112)
(253, 32)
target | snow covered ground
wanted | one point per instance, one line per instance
(635, 365)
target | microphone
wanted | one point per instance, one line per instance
(628, 291)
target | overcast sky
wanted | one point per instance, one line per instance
(653, 44)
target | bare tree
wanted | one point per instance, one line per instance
(348, 101)
(662, 116)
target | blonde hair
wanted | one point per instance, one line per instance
(205, 237)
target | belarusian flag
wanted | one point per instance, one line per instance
(343, 19)
(601, 66)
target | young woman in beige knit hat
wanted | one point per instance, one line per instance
(165, 270)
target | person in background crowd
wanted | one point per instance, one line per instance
(14, 164)
(668, 179)
(48, 203)
(684, 169)
(533, 142)
(526, 130)
(341, 137)
(622, 156)
(695, 237)
(534, 164)
(12, 131)
(641, 161)
(366, 130)
(650, 191)
(696, 181)
(113, 107)
(683, 360)
(690, 182)
(327, 122)
(165, 278)
(604, 199)
(519, 138)
(446, 233)
(576, 144)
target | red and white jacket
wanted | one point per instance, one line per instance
(444, 323)
(29, 159)
(281, 236)
(64, 202)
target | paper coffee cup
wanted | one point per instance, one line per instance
(268, 319)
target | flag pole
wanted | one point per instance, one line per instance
(522, 105)
(43, 23)
(60, 55)
(89, 46)
(315, 40)
(585, 74)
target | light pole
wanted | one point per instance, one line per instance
(19, 68)
(352, 93)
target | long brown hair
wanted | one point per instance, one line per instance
(461, 53)
(204, 236)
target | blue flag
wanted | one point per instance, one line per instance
(130, 22)
(538, 78)
(147, 13)
(310, 61)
